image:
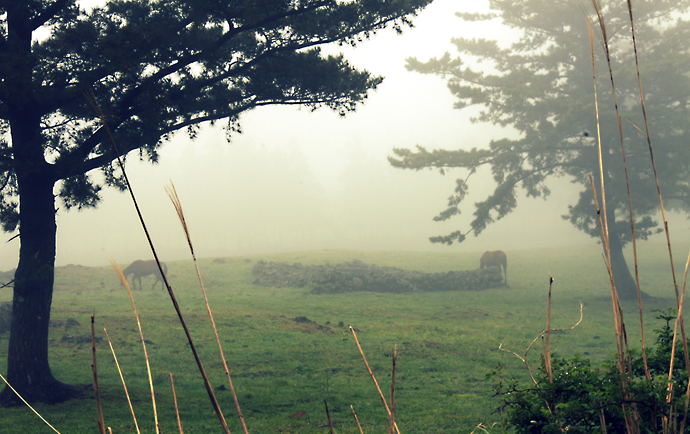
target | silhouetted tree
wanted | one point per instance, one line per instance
(541, 85)
(155, 67)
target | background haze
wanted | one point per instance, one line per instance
(298, 180)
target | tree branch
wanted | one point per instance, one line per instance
(49, 12)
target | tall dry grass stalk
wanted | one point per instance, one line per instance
(123, 279)
(629, 411)
(200, 366)
(94, 372)
(356, 419)
(614, 294)
(371, 374)
(651, 151)
(129, 400)
(172, 194)
(27, 404)
(328, 416)
(395, 357)
(669, 422)
(177, 411)
(547, 349)
(523, 358)
(679, 298)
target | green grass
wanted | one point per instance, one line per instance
(282, 369)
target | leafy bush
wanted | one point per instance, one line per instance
(581, 397)
(358, 276)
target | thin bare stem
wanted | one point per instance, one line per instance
(687, 391)
(395, 357)
(604, 223)
(200, 366)
(172, 194)
(627, 183)
(129, 401)
(679, 320)
(356, 419)
(27, 404)
(604, 226)
(143, 342)
(651, 152)
(371, 374)
(524, 358)
(177, 411)
(621, 340)
(547, 349)
(94, 371)
(328, 416)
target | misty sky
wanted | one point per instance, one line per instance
(296, 180)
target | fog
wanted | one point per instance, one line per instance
(301, 180)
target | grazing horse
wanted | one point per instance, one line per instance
(141, 268)
(497, 258)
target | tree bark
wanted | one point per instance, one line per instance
(28, 370)
(625, 282)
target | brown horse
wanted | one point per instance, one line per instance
(495, 258)
(140, 268)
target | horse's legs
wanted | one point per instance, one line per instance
(505, 268)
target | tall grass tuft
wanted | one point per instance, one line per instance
(94, 371)
(117, 364)
(197, 359)
(394, 427)
(143, 342)
(172, 194)
(626, 375)
(177, 411)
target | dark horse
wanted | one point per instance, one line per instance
(140, 268)
(497, 258)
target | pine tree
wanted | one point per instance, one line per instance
(541, 85)
(155, 67)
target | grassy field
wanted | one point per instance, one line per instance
(283, 369)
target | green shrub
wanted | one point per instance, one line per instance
(581, 396)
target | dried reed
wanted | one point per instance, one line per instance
(143, 342)
(523, 358)
(177, 411)
(356, 419)
(27, 404)
(679, 298)
(395, 356)
(172, 194)
(94, 372)
(621, 342)
(547, 346)
(614, 294)
(679, 318)
(328, 416)
(207, 384)
(371, 374)
(129, 401)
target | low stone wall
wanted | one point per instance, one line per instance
(358, 276)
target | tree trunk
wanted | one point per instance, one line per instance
(28, 370)
(625, 282)
(27, 360)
